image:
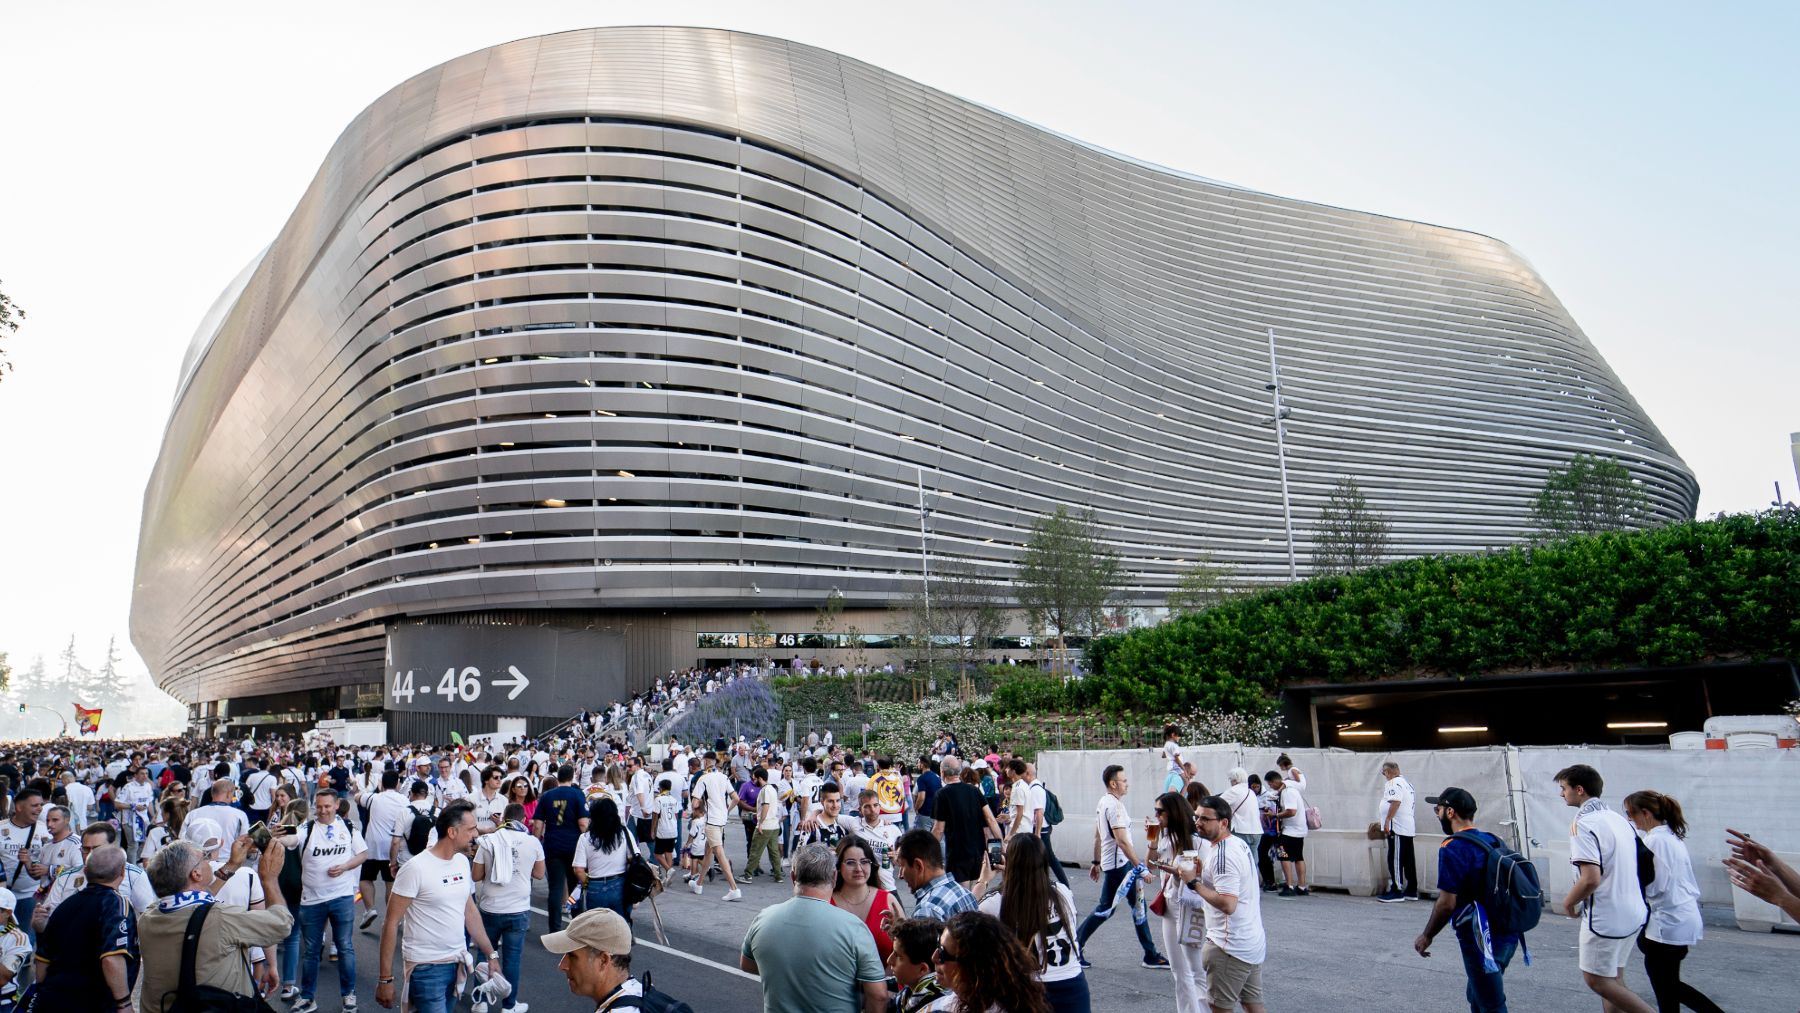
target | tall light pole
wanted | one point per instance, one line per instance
(1279, 421)
(925, 570)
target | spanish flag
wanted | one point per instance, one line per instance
(87, 721)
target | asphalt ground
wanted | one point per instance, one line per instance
(1326, 952)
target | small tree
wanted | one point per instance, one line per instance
(73, 679)
(1351, 534)
(107, 686)
(1591, 495)
(5, 673)
(759, 631)
(1199, 588)
(968, 604)
(10, 315)
(828, 615)
(1068, 576)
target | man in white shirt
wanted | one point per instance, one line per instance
(714, 793)
(22, 869)
(81, 799)
(1116, 862)
(135, 888)
(639, 790)
(1606, 895)
(259, 784)
(434, 893)
(505, 863)
(385, 808)
(446, 787)
(879, 834)
(137, 800)
(1397, 799)
(1246, 815)
(1235, 946)
(1290, 821)
(330, 851)
(768, 826)
(221, 808)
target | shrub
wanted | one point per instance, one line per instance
(908, 731)
(745, 707)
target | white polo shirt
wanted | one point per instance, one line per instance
(1110, 815)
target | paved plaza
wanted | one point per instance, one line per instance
(1327, 952)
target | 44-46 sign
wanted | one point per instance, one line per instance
(466, 685)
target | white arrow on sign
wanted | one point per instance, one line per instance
(518, 682)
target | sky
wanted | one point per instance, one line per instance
(1642, 158)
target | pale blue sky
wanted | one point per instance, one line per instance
(1642, 157)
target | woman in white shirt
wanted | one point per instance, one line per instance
(1674, 900)
(600, 857)
(1041, 913)
(1174, 822)
(174, 810)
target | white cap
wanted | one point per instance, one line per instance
(203, 833)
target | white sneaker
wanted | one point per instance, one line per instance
(368, 919)
(288, 992)
(735, 895)
(349, 1004)
(520, 1007)
(478, 1007)
(696, 887)
(304, 1006)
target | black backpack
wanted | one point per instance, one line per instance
(189, 997)
(418, 832)
(1510, 895)
(652, 1001)
(290, 878)
(1053, 814)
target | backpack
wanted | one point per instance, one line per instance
(290, 878)
(651, 1001)
(418, 832)
(1510, 895)
(1053, 814)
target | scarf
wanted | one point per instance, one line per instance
(186, 898)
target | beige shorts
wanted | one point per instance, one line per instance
(715, 836)
(1602, 956)
(1229, 981)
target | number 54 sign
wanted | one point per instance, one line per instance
(466, 685)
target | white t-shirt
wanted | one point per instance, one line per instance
(232, 821)
(769, 809)
(1108, 815)
(1245, 818)
(882, 836)
(331, 844)
(385, 809)
(1232, 870)
(259, 784)
(439, 888)
(488, 810)
(81, 803)
(1172, 756)
(243, 889)
(714, 788)
(514, 895)
(1399, 789)
(135, 889)
(15, 953)
(1057, 955)
(668, 813)
(1018, 801)
(1673, 895)
(1295, 825)
(1604, 838)
(601, 864)
(15, 856)
(642, 805)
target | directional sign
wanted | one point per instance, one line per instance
(517, 671)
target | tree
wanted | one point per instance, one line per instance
(1199, 588)
(34, 682)
(72, 679)
(759, 632)
(827, 616)
(10, 315)
(1593, 494)
(1068, 576)
(1351, 534)
(5, 673)
(108, 687)
(967, 608)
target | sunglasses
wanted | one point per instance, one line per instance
(943, 956)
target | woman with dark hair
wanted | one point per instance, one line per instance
(600, 858)
(1195, 793)
(1040, 914)
(1171, 835)
(1674, 899)
(855, 893)
(985, 964)
(520, 791)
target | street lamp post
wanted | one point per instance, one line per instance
(1279, 421)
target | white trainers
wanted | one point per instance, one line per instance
(350, 1004)
(288, 992)
(304, 1006)
(478, 1007)
(696, 887)
(735, 895)
(368, 919)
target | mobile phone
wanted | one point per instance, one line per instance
(996, 852)
(289, 829)
(258, 825)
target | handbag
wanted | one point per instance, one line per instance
(192, 998)
(641, 881)
(1160, 906)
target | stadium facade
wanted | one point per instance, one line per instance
(622, 334)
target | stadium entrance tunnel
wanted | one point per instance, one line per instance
(1636, 706)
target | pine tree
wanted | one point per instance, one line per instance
(72, 679)
(108, 687)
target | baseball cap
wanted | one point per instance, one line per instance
(1455, 798)
(7, 902)
(979, 764)
(600, 929)
(205, 834)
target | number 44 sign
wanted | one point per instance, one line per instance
(464, 684)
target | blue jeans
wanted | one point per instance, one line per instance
(607, 893)
(288, 955)
(341, 912)
(432, 988)
(508, 933)
(1487, 990)
(1109, 886)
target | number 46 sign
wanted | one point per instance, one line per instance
(465, 685)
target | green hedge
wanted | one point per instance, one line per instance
(1728, 587)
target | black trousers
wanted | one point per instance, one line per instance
(1403, 866)
(1662, 964)
(559, 878)
(1265, 860)
(1056, 868)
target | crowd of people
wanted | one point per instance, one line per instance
(274, 854)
